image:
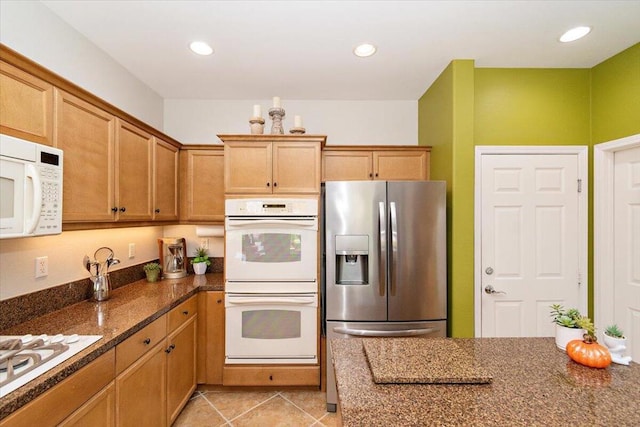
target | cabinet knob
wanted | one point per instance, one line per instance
(170, 349)
(114, 209)
(219, 301)
(147, 341)
(376, 174)
(186, 312)
(157, 210)
(122, 209)
(275, 184)
(270, 377)
(370, 175)
(268, 184)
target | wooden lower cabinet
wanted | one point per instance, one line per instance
(99, 411)
(55, 405)
(181, 367)
(141, 390)
(210, 337)
(271, 375)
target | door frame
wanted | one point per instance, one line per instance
(603, 226)
(581, 151)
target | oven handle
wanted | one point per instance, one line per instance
(374, 333)
(301, 222)
(271, 301)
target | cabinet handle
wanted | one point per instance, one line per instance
(370, 175)
(147, 341)
(157, 210)
(219, 301)
(114, 209)
(376, 174)
(186, 312)
(171, 347)
(275, 184)
(268, 184)
(122, 209)
(270, 377)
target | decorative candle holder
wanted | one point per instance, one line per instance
(298, 130)
(257, 125)
(276, 115)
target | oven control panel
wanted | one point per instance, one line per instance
(271, 207)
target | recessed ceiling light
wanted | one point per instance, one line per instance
(365, 49)
(201, 48)
(575, 34)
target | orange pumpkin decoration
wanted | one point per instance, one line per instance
(588, 352)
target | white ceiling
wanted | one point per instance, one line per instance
(303, 49)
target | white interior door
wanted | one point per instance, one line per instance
(626, 312)
(530, 242)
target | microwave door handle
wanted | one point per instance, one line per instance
(393, 268)
(302, 223)
(382, 230)
(32, 172)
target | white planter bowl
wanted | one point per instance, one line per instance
(564, 335)
(200, 267)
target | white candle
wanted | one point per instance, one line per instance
(257, 111)
(276, 102)
(297, 121)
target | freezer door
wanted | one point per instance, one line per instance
(355, 259)
(417, 250)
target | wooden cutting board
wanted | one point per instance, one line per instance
(422, 361)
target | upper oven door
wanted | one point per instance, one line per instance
(271, 248)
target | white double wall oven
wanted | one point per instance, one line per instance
(271, 287)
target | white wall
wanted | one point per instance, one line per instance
(34, 31)
(344, 122)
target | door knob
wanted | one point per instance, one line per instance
(489, 289)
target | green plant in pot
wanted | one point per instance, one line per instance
(616, 342)
(201, 261)
(152, 270)
(570, 325)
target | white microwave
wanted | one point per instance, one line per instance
(30, 188)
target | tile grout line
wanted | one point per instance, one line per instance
(230, 421)
(227, 421)
(312, 417)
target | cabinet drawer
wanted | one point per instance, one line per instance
(183, 312)
(63, 399)
(272, 375)
(139, 343)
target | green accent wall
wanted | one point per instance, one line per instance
(469, 106)
(615, 86)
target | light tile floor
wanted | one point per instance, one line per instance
(256, 408)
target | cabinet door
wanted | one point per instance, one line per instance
(247, 167)
(210, 337)
(26, 105)
(401, 165)
(202, 185)
(86, 135)
(296, 167)
(134, 160)
(165, 181)
(97, 412)
(346, 165)
(181, 367)
(141, 391)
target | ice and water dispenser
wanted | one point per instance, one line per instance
(352, 260)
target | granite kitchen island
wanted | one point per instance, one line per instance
(532, 383)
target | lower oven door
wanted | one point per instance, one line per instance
(271, 328)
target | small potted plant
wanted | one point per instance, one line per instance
(570, 325)
(201, 260)
(152, 270)
(616, 342)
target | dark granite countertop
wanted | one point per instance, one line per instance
(129, 309)
(533, 383)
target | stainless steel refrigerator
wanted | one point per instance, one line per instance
(385, 261)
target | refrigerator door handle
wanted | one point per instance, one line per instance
(375, 333)
(382, 234)
(394, 247)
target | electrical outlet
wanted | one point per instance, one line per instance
(204, 243)
(42, 266)
(132, 250)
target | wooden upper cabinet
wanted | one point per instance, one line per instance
(134, 162)
(86, 134)
(26, 105)
(360, 163)
(202, 184)
(272, 164)
(165, 181)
